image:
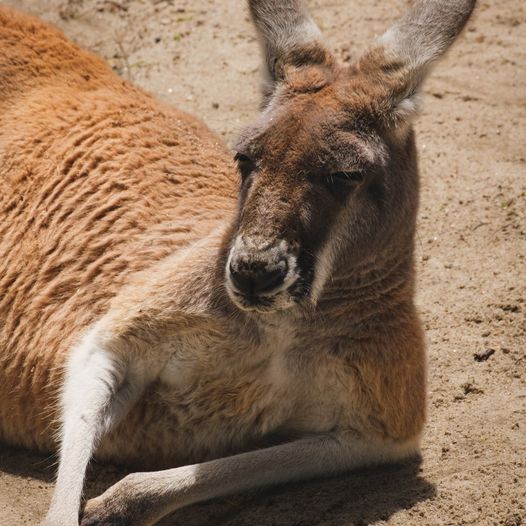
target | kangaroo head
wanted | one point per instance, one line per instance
(328, 171)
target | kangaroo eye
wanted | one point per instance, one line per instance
(242, 158)
(246, 164)
(346, 177)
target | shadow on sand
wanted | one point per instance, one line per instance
(357, 499)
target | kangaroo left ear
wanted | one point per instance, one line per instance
(405, 54)
(288, 36)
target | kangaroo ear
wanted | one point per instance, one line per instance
(288, 37)
(406, 53)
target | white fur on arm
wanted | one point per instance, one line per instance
(99, 390)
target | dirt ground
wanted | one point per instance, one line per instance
(202, 56)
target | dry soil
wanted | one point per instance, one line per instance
(202, 56)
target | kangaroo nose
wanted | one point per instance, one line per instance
(252, 281)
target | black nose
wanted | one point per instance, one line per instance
(251, 281)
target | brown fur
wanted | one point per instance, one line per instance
(131, 178)
(97, 181)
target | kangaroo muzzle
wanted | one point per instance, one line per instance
(258, 271)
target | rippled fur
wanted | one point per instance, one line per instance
(97, 181)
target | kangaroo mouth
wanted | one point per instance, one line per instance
(253, 303)
(286, 296)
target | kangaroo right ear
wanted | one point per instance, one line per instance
(288, 37)
(405, 54)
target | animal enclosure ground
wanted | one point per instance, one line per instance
(202, 56)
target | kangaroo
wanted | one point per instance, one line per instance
(236, 320)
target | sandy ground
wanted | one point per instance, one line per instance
(202, 56)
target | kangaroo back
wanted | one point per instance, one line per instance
(97, 181)
(33, 53)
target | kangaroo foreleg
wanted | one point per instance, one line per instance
(99, 390)
(144, 498)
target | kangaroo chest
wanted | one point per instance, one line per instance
(227, 383)
(221, 394)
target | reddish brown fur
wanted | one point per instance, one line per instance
(68, 256)
(68, 240)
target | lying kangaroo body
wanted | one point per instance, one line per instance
(156, 311)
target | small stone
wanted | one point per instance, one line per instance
(469, 388)
(483, 355)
